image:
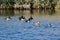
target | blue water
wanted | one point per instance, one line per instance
(15, 29)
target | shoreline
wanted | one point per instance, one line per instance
(12, 8)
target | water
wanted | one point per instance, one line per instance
(14, 29)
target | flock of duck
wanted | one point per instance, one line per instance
(22, 18)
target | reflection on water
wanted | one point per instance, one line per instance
(27, 13)
(6, 12)
(49, 12)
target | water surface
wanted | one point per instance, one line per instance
(15, 29)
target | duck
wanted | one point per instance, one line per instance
(22, 18)
(49, 25)
(27, 20)
(36, 23)
(8, 18)
(30, 18)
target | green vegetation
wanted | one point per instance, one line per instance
(18, 1)
(51, 3)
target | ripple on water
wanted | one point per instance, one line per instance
(20, 30)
